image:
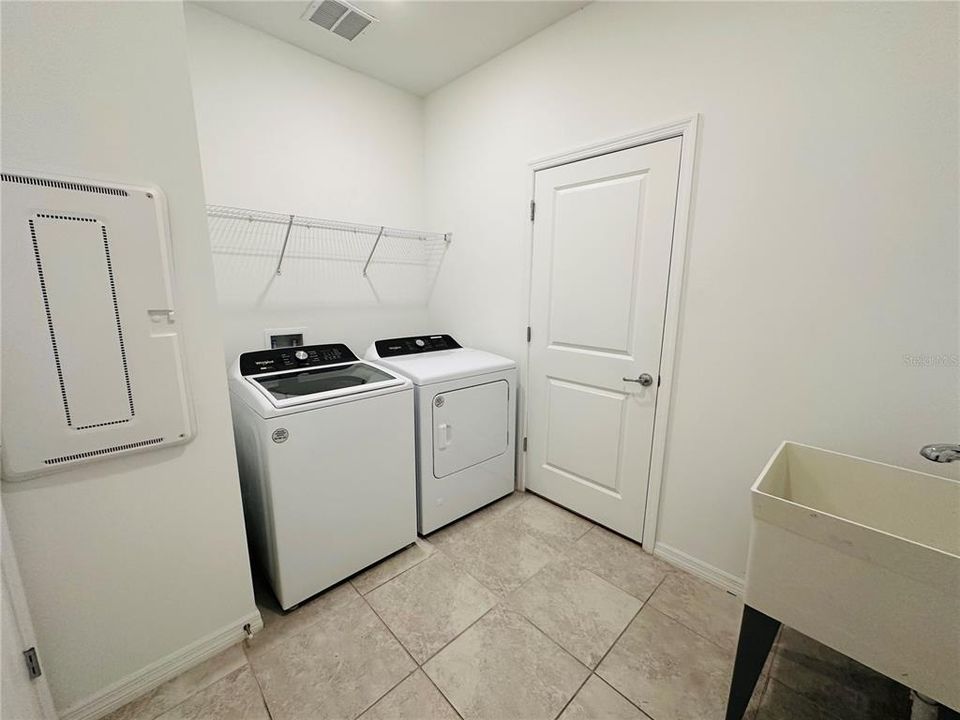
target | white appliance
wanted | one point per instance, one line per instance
(325, 445)
(466, 405)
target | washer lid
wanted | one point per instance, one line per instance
(433, 367)
(294, 387)
(310, 374)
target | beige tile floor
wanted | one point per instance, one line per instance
(521, 610)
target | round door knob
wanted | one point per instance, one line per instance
(646, 379)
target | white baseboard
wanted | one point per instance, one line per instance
(143, 681)
(716, 576)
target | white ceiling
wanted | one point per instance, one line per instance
(418, 45)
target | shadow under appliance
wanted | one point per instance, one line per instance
(325, 446)
(466, 403)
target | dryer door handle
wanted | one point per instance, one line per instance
(445, 433)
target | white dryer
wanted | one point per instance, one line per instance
(466, 406)
(325, 446)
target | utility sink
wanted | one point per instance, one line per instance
(863, 557)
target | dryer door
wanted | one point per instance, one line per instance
(470, 425)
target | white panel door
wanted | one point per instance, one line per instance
(601, 259)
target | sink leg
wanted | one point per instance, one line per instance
(757, 633)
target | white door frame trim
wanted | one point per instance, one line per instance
(685, 128)
(21, 616)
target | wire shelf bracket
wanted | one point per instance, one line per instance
(283, 250)
(372, 251)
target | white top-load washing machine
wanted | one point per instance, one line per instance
(466, 404)
(325, 445)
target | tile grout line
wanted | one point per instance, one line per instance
(390, 690)
(632, 703)
(432, 655)
(442, 694)
(256, 679)
(449, 701)
(695, 632)
(527, 620)
(771, 679)
(550, 502)
(458, 565)
(581, 535)
(451, 640)
(430, 554)
(575, 692)
(402, 646)
(614, 644)
(592, 671)
(246, 664)
(556, 642)
(420, 666)
(563, 650)
(500, 603)
(435, 549)
(363, 597)
(306, 628)
(390, 630)
(765, 680)
(642, 601)
(402, 572)
(289, 613)
(670, 570)
(559, 555)
(543, 632)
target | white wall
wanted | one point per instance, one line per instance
(824, 246)
(129, 560)
(286, 131)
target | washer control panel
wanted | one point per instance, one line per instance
(414, 345)
(262, 361)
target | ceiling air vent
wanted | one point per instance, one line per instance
(339, 17)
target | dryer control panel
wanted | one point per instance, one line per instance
(415, 345)
(293, 358)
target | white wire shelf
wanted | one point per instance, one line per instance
(242, 231)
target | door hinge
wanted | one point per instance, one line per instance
(533, 210)
(524, 444)
(529, 333)
(658, 381)
(33, 663)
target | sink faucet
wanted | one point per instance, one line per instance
(941, 452)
